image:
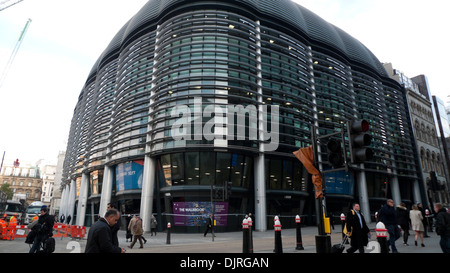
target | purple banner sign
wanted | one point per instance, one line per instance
(196, 213)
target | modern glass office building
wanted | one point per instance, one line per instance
(282, 68)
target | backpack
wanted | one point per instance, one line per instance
(49, 245)
(30, 237)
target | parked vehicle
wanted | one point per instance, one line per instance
(10, 208)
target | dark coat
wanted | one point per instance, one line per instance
(403, 217)
(100, 238)
(46, 221)
(388, 215)
(443, 223)
(359, 233)
(115, 229)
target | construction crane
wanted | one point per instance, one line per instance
(8, 3)
(13, 55)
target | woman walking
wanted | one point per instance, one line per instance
(416, 223)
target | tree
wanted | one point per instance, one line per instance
(7, 190)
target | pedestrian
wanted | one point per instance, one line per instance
(62, 218)
(389, 219)
(429, 216)
(130, 225)
(43, 229)
(424, 221)
(153, 224)
(128, 235)
(68, 219)
(253, 220)
(443, 227)
(99, 238)
(137, 231)
(3, 227)
(208, 225)
(417, 223)
(404, 221)
(115, 229)
(360, 232)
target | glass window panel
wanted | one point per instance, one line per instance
(275, 174)
(223, 168)
(248, 172)
(177, 161)
(192, 168)
(207, 169)
(287, 175)
(167, 170)
(237, 163)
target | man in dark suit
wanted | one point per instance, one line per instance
(100, 235)
(360, 232)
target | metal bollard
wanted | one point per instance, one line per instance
(278, 242)
(381, 231)
(250, 236)
(299, 233)
(245, 237)
(168, 233)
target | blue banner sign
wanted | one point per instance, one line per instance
(129, 175)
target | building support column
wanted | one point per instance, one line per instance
(71, 199)
(82, 199)
(105, 197)
(416, 192)
(62, 205)
(363, 195)
(148, 186)
(395, 189)
(259, 167)
(260, 194)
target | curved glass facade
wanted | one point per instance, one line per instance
(203, 55)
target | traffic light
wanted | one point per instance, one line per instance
(335, 157)
(229, 184)
(218, 193)
(358, 140)
(434, 185)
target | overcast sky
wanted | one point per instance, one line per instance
(65, 39)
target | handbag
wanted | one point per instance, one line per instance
(345, 231)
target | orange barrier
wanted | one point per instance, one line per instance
(77, 232)
(61, 229)
(21, 231)
(10, 233)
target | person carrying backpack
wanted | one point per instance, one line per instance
(44, 232)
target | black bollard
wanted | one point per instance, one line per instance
(381, 231)
(168, 234)
(245, 237)
(250, 236)
(278, 242)
(299, 233)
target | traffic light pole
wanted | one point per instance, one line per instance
(323, 241)
(358, 140)
(213, 206)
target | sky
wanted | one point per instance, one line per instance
(65, 38)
